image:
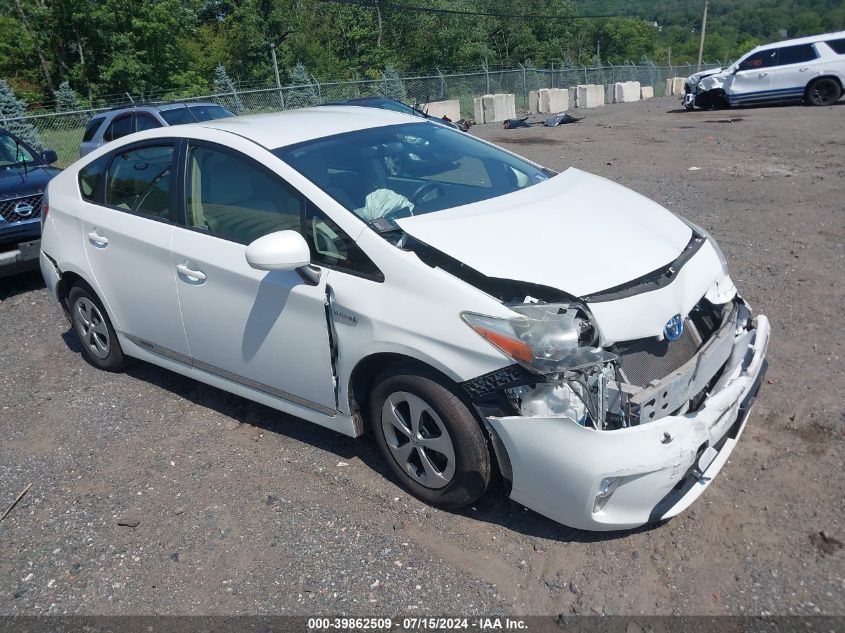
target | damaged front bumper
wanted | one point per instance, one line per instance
(623, 478)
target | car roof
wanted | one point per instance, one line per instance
(802, 40)
(280, 129)
(169, 105)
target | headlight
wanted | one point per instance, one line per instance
(706, 234)
(546, 338)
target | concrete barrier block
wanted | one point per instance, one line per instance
(590, 95)
(499, 108)
(626, 91)
(646, 92)
(608, 93)
(439, 109)
(545, 100)
(478, 110)
(533, 101)
(675, 86)
(508, 101)
(573, 97)
(558, 100)
(488, 107)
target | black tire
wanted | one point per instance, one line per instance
(472, 461)
(94, 330)
(823, 91)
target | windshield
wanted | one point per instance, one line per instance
(13, 153)
(408, 169)
(191, 114)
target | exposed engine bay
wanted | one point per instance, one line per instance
(640, 381)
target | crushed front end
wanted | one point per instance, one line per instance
(632, 429)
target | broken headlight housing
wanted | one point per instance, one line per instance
(546, 338)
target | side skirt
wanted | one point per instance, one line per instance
(180, 364)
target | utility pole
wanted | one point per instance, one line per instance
(276, 71)
(703, 30)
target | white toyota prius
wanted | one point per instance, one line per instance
(471, 311)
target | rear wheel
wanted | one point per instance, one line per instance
(429, 438)
(824, 91)
(100, 346)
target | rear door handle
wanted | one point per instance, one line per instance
(100, 241)
(762, 74)
(190, 273)
(803, 68)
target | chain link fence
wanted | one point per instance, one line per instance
(62, 131)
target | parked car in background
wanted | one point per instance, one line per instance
(470, 310)
(123, 120)
(383, 103)
(808, 69)
(24, 174)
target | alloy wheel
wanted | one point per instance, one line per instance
(418, 440)
(91, 327)
(823, 92)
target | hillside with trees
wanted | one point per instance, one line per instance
(107, 47)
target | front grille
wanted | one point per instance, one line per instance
(15, 209)
(649, 359)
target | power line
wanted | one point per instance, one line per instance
(465, 12)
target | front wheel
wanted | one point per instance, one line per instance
(824, 91)
(429, 438)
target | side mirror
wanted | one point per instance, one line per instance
(49, 156)
(282, 250)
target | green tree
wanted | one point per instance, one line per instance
(302, 95)
(223, 85)
(392, 87)
(13, 108)
(67, 99)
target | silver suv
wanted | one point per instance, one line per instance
(124, 120)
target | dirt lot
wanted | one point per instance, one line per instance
(244, 510)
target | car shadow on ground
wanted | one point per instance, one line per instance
(17, 284)
(751, 106)
(495, 507)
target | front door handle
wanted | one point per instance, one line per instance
(803, 68)
(100, 241)
(190, 273)
(762, 74)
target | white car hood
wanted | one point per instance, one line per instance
(575, 232)
(696, 77)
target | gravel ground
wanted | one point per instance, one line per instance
(239, 509)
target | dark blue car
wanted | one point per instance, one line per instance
(24, 174)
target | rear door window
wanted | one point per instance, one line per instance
(145, 121)
(118, 128)
(796, 54)
(91, 130)
(139, 180)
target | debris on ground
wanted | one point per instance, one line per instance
(561, 118)
(16, 501)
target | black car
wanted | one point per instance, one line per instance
(24, 174)
(383, 103)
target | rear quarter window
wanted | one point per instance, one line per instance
(91, 178)
(838, 46)
(91, 130)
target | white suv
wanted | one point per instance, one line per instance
(809, 69)
(376, 273)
